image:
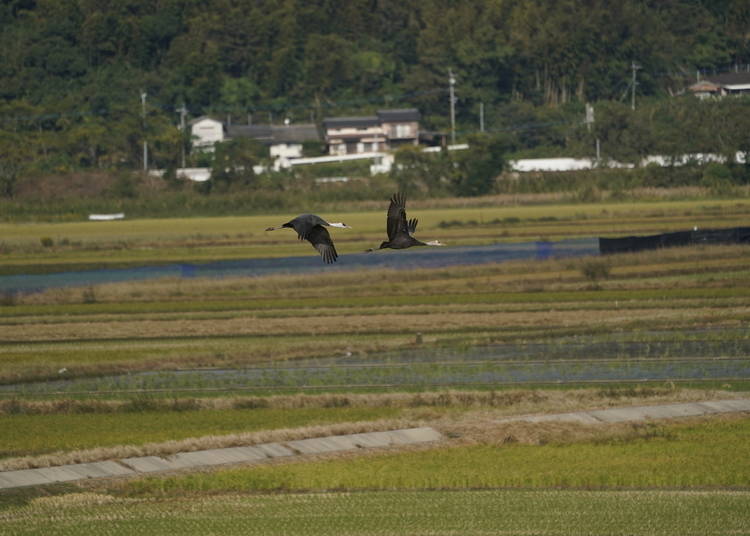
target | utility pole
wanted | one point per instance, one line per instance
(634, 67)
(451, 83)
(145, 143)
(481, 117)
(589, 121)
(183, 112)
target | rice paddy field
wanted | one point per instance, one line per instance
(41, 246)
(388, 513)
(158, 366)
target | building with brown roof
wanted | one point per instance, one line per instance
(722, 85)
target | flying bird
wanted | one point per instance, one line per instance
(313, 229)
(400, 229)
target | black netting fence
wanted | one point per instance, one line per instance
(735, 235)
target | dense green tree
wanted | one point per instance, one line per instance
(418, 171)
(79, 67)
(624, 136)
(233, 163)
(327, 63)
(534, 129)
(14, 157)
(372, 71)
(730, 126)
(481, 165)
(238, 96)
(584, 48)
(468, 40)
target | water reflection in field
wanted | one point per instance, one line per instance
(430, 257)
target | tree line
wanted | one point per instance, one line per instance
(84, 82)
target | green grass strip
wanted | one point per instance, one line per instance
(704, 455)
(542, 513)
(377, 301)
(39, 434)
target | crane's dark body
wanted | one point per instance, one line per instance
(399, 229)
(313, 229)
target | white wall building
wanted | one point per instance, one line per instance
(205, 132)
(384, 131)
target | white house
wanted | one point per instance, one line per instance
(371, 134)
(401, 126)
(351, 135)
(205, 132)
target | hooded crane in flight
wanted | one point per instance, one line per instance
(313, 229)
(399, 229)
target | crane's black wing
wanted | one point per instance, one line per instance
(396, 223)
(304, 224)
(320, 239)
(412, 225)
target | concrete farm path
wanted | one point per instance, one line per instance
(136, 466)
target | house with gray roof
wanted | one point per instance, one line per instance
(385, 130)
(721, 85)
(283, 141)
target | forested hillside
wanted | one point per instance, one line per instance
(83, 82)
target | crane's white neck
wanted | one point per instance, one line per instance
(434, 243)
(339, 224)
